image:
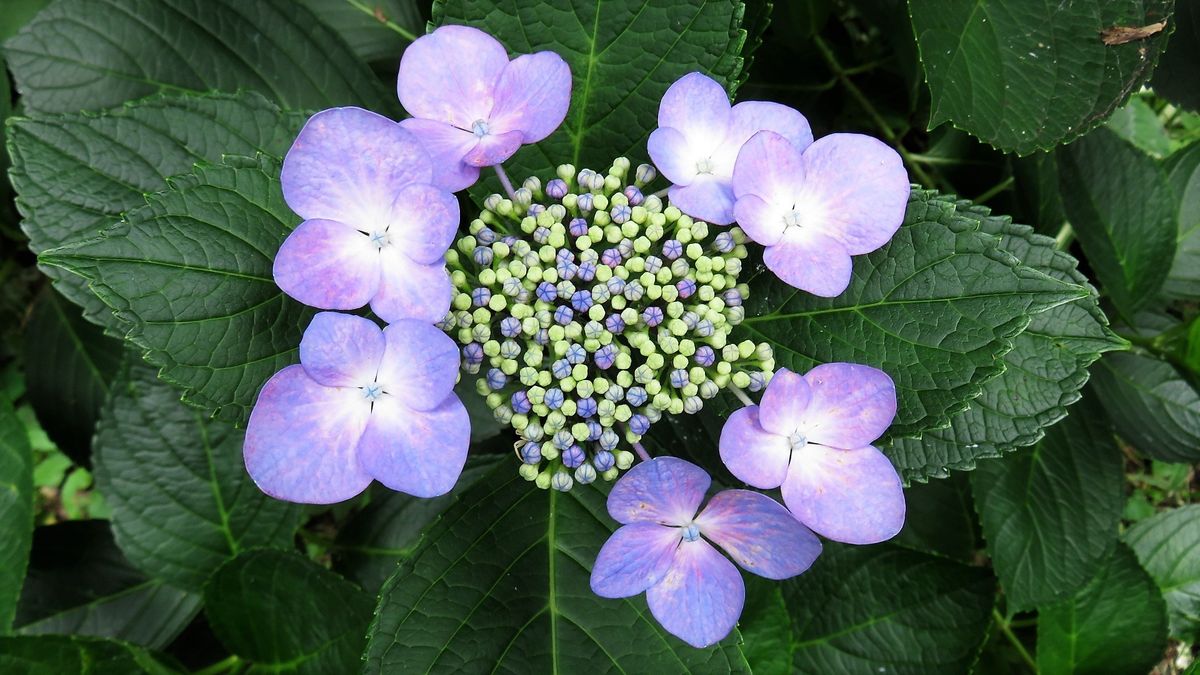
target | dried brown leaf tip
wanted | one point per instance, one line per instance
(1119, 35)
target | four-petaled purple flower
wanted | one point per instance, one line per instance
(471, 106)
(812, 434)
(663, 547)
(363, 404)
(814, 206)
(699, 137)
(375, 230)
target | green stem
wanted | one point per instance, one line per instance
(377, 14)
(995, 190)
(227, 665)
(1012, 638)
(1066, 235)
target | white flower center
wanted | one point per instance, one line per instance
(381, 238)
(691, 532)
(705, 165)
(372, 392)
(793, 218)
(798, 439)
(479, 128)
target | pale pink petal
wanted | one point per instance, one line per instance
(770, 167)
(633, 559)
(851, 496)
(852, 405)
(698, 107)
(418, 453)
(701, 597)
(675, 159)
(301, 438)
(493, 149)
(707, 198)
(664, 490)
(446, 145)
(450, 75)
(532, 96)
(784, 403)
(341, 350)
(410, 290)
(751, 117)
(759, 534)
(328, 265)
(419, 365)
(424, 222)
(810, 261)
(756, 456)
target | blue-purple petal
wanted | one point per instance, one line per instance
(328, 265)
(532, 96)
(424, 222)
(341, 350)
(633, 559)
(759, 534)
(707, 197)
(419, 365)
(701, 597)
(675, 158)
(851, 496)
(784, 403)
(664, 490)
(770, 167)
(698, 107)
(446, 145)
(852, 405)
(753, 454)
(410, 290)
(420, 453)
(493, 149)
(811, 261)
(450, 75)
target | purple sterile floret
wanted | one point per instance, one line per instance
(557, 189)
(480, 296)
(531, 453)
(813, 207)
(665, 547)
(704, 356)
(573, 456)
(520, 402)
(362, 404)
(578, 227)
(672, 249)
(698, 138)
(652, 316)
(812, 435)
(374, 229)
(496, 379)
(605, 357)
(471, 106)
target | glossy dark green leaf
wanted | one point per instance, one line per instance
(1115, 624)
(284, 613)
(181, 499)
(1166, 546)
(1183, 174)
(500, 582)
(1152, 406)
(16, 510)
(17, 13)
(1050, 513)
(80, 583)
(1138, 124)
(940, 518)
(886, 609)
(1037, 192)
(1026, 75)
(1177, 79)
(377, 30)
(766, 628)
(63, 655)
(1120, 205)
(93, 54)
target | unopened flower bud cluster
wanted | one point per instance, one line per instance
(588, 310)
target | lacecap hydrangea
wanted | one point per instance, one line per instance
(585, 305)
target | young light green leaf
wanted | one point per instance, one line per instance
(1115, 624)
(16, 510)
(89, 54)
(500, 582)
(283, 613)
(1166, 546)
(1152, 406)
(181, 500)
(1138, 124)
(1050, 513)
(1025, 75)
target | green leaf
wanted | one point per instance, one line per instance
(500, 582)
(1166, 546)
(1116, 624)
(361, 23)
(1050, 513)
(936, 309)
(16, 510)
(204, 305)
(1176, 78)
(766, 628)
(62, 654)
(1037, 191)
(623, 55)
(16, 14)
(181, 500)
(1183, 175)
(886, 609)
(1025, 75)
(1151, 405)
(1120, 205)
(1138, 124)
(1044, 371)
(375, 539)
(70, 363)
(80, 583)
(287, 614)
(86, 55)
(940, 518)
(78, 174)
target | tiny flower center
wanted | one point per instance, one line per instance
(705, 165)
(691, 532)
(380, 238)
(793, 219)
(372, 392)
(479, 128)
(798, 439)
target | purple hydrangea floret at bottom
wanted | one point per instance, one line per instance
(812, 435)
(664, 547)
(363, 404)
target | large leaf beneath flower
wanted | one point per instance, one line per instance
(284, 613)
(16, 510)
(377, 31)
(940, 518)
(766, 628)
(190, 274)
(886, 609)
(1025, 75)
(1152, 406)
(78, 174)
(623, 55)
(60, 654)
(181, 500)
(500, 582)
(1177, 79)
(1044, 371)
(1183, 175)
(1050, 512)
(1166, 546)
(89, 54)
(1115, 624)
(80, 583)
(936, 309)
(1118, 200)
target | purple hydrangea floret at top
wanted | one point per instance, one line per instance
(375, 231)
(814, 206)
(698, 138)
(812, 435)
(473, 107)
(362, 404)
(664, 547)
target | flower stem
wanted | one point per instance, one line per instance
(228, 665)
(377, 13)
(1066, 235)
(505, 181)
(741, 395)
(995, 190)
(1014, 640)
(641, 452)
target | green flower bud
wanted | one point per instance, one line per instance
(528, 471)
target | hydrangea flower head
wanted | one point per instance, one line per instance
(471, 106)
(663, 547)
(699, 137)
(363, 404)
(375, 230)
(812, 434)
(813, 207)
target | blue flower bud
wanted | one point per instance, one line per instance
(758, 381)
(512, 287)
(541, 234)
(609, 440)
(542, 337)
(567, 270)
(486, 236)
(473, 353)
(604, 460)
(724, 242)
(576, 354)
(615, 393)
(509, 349)
(492, 202)
(653, 264)
(690, 319)
(556, 189)
(585, 474)
(587, 271)
(672, 249)
(636, 396)
(732, 297)
(615, 285)
(554, 398)
(634, 195)
(561, 369)
(639, 424)
(561, 481)
(605, 356)
(482, 255)
(563, 315)
(510, 327)
(704, 328)
(535, 209)
(595, 430)
(581, 300)
(496, 379)
(578, 227)
(645, 173)
(520, 402)
(633, 291)
(584, 202)
(614, 324)
(611, 257)
(480, 297)
(679, 378)
(574, 456)
(705, 356)
(531, 453)
(563, 440)
(585, 407)
(546, 292)
(686, 287)
(652, 316)
(625, 247)
(621, 213)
